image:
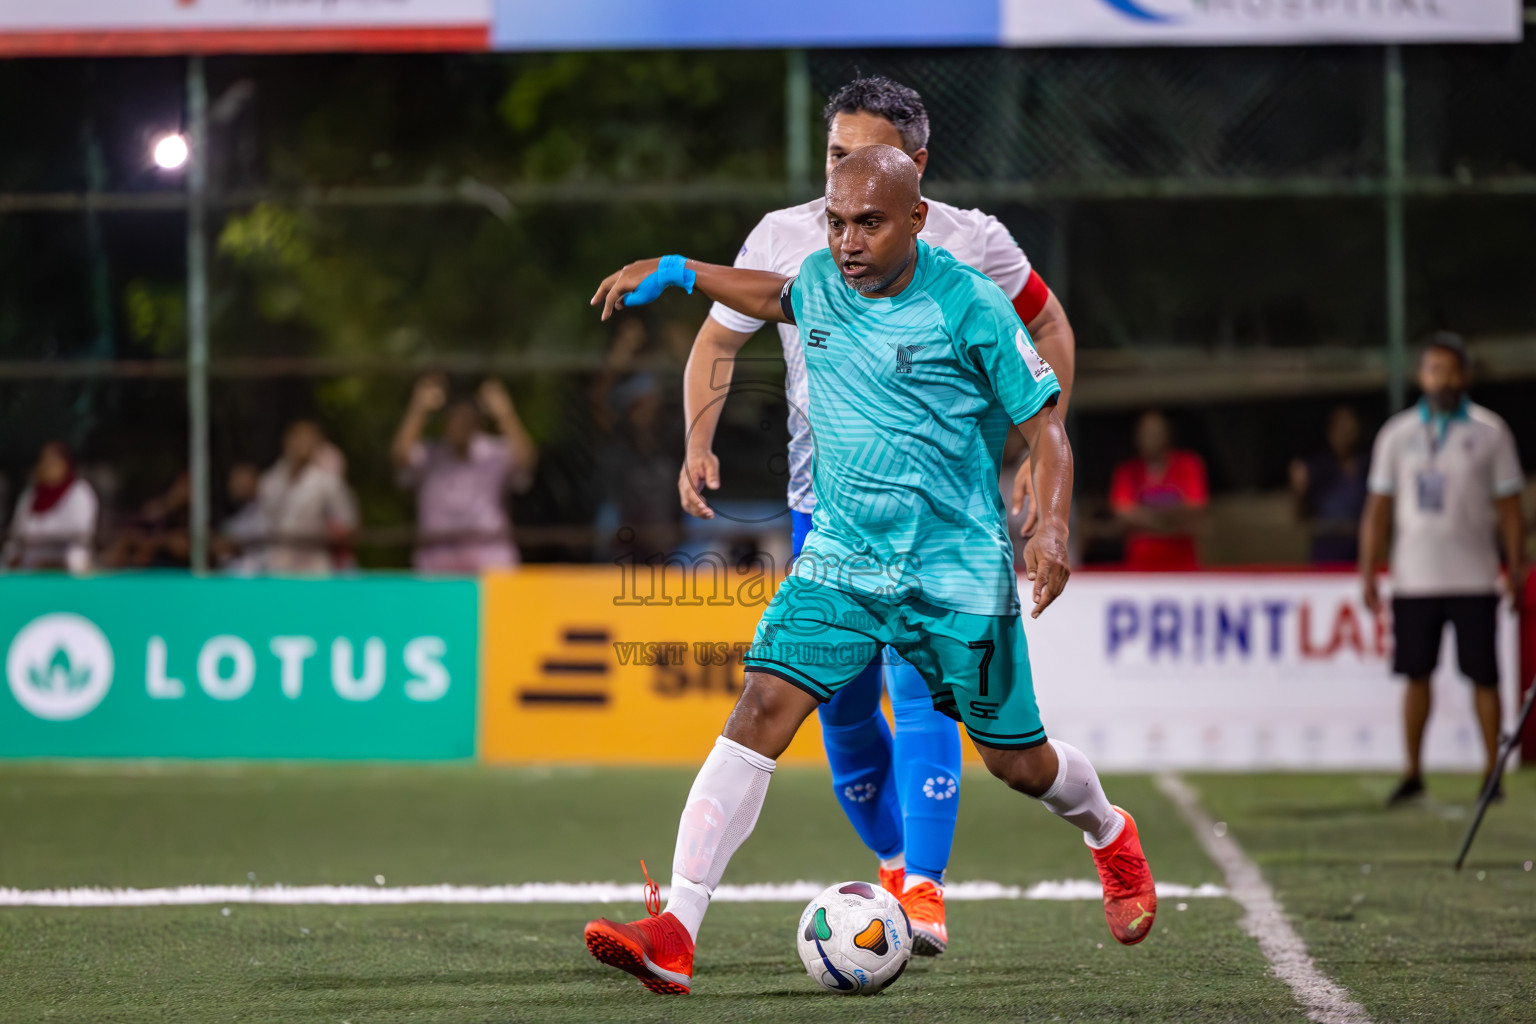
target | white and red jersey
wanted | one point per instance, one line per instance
(784, 238)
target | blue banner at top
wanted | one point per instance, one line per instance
(643, 24)
(655, 24)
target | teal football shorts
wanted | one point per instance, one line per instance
(977, 666)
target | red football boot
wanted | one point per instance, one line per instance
(893, 881)
(1130, 899)
(657, 949)
(924, 904)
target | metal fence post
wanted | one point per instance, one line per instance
(1394, 130)
(197, 310)
(797, 128)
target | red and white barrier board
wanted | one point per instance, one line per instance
(79, 27)
(1240, 671)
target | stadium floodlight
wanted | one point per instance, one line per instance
(171, 151)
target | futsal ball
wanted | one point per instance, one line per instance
(854, 938)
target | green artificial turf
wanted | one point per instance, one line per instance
(1434, 946)
(1374, 895)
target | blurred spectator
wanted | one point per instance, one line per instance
(305, 504)
(55, 521)
(640, 514)
(637, 515)
(627, 344)
(1446, 476)
(1330, 491)
(461, 481)
(159, 536)
(1159, 499)
(239, 545)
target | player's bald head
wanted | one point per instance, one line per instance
(881, 175)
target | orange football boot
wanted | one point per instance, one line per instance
(924, 904)
(893, 880)
(1130, 899)
(657, 949)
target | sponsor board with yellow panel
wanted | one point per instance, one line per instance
(619, 664)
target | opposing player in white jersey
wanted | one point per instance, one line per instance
(901, 794)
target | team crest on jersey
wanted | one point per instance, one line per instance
(1039, 369)
(904, 354)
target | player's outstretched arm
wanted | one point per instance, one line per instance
(706, 380)
(754, 293)
(1045, 555)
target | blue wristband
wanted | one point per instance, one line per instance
(673, 271)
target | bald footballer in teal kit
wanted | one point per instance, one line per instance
(918, 366)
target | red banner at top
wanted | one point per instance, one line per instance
(87, 27)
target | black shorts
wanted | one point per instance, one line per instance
(1418, 622)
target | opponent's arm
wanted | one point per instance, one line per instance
(754, 293)
(711, 365)
(1054, 340)
(1045, 555)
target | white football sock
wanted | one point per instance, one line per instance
(1078, 797)
(896, 863)
(915, 880)
(722, 808)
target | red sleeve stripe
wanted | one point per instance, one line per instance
(1031, 300)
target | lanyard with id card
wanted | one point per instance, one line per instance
(1429, 484)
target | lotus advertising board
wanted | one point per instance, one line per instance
(147, 666)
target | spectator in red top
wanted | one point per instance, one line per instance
(1159, 499)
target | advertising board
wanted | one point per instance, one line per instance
(171, 666)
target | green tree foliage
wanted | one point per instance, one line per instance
(386, 289)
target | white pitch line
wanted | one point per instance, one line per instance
(528, 892)
(1325, 1001)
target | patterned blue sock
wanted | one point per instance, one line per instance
(858, 742)
(927, 754)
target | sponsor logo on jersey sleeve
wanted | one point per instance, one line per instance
(1039, 369)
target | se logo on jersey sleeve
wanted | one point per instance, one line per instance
(1039, 369)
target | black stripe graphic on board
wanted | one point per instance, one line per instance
(574, 668)
(561, 697)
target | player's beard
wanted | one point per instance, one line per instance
(880, 284)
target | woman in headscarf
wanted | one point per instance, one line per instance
(55, 522)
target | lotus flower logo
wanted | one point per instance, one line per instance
(59, 666)
(58, 676)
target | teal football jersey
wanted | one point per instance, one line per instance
(911, 399)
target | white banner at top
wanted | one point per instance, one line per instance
(1256, 22)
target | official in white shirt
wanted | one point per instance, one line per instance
(1446, 474)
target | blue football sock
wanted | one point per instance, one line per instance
(858, 742)
(927, 756)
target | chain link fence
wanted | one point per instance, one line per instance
(1217, 222)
